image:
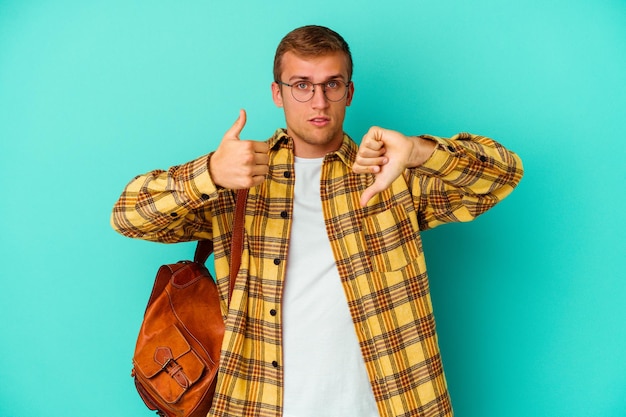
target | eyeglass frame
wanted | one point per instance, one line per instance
(323, 85)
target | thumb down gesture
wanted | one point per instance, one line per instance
(238, 163)
(386, 154)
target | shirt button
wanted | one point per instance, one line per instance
(272, 312)
(276, 261)
(204, 197)
(174, 214)
(284, 214)
(275, 364)
(482, 158)
(287, 174)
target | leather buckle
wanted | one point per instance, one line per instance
(163, 356)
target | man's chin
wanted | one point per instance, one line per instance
(317, 142)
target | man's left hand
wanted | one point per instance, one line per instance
(386, 154)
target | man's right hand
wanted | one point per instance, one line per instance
(239, 163)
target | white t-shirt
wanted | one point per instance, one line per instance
(323, 366)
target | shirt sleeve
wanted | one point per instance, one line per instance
(168, 206)
(465, 176)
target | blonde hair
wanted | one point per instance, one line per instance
(311, 41)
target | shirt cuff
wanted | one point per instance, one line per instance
(200, 186)
(442, 161)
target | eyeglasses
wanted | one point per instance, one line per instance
(303, 91)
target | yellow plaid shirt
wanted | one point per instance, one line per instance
(377, 249)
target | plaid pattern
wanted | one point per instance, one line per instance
(378, 251)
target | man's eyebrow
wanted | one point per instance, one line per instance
(298, 77)
(307, 78)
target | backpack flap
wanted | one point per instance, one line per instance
(168, 364)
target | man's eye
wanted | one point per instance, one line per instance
(303, 86)
(332, 85)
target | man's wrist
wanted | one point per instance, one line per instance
(421, 151)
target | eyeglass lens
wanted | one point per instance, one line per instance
(304, 90)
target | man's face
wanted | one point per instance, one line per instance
(316, 126)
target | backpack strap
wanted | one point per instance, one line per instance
(205, 247)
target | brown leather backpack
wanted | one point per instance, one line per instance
(180, 339)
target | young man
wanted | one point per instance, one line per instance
(331, 312)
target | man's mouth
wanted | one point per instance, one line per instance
(319, 121)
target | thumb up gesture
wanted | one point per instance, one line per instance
(239, 163)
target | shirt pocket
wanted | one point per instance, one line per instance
(391, 240)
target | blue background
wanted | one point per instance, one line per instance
(529, 298)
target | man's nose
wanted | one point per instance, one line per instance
(319, 99)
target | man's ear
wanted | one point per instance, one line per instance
(277, 94)
(350, 94)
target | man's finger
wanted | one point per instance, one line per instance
(366, 152)
(235, 130)
(260, 147)
(261, 158)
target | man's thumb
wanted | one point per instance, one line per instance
(369, 192)
(235, 130)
